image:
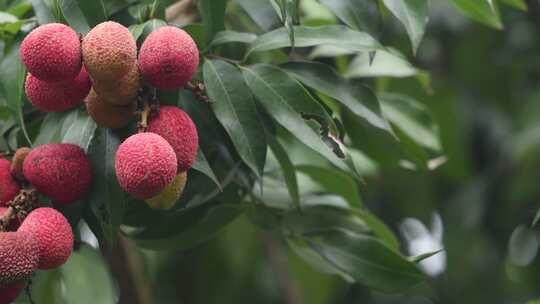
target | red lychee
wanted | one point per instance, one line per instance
(19, 257)
(57, 96)
(53, 234)
(179, 131)
(60, 171)
(8, 186)
(52, 52)
(168, 58)
(145, 164)
(10, 292)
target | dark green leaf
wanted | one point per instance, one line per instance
(94, 11)
(289, 173)
(519, 4)
(201, 165)
(12, 75)
(42, 11)
(213, 15)
(485, 11)
(232, 36)
(81, 131)
(358, 14)
(310, 36)
(74, 16)
(414, 15)
(261, 12)
(234, 107)
(378, 228)
(106, 199)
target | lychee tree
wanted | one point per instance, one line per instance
(157, 123)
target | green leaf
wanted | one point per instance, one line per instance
(384, 63)
(289, 173)
(414, 14)
(365, 259)
(261, 12)
(12, 76)
(287, 101)
(357, 98)
(484, 11)
(378, 228)
(94, 11)
(358, 14)
(310, 36)
(334, 181)
(213, 15)
(106, 199)
(20, 9)
(42, 11)
(7, 18)
(519, 4)
(419, 258)
(81, 132)
(232, 36)
(74, 16)
(86, 278)
(234, 107)
(201, 165)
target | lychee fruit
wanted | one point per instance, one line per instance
(57, 96)
(168, 58)
(14, 224)
(122, 92)
(53, 234)
(17, 163)
(168, 197)
(60, 171)
(109, 51)
(10, 292)
(108, 115)
(8, 186)
(178, 129)
(145, 165)
(19, 257)
(52, 52)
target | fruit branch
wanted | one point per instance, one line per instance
(198, 91)
(19, 207)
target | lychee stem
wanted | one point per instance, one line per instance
(143, 122)
(198, 91)
(6, 153)
(19, 207)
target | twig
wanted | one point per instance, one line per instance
(19, 207)
(198, 91)
(144, 114)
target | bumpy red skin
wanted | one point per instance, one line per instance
(168, 58)
(9, 293)
(52, 52)
(145, 164)
(53, 234)
(179, 131)
(60, 171)
(8, 186)
(14, 223)
(19, 257)
(57, 96)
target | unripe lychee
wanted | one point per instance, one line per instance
(52, 52)
(17, 163)
(108, 115)
(145, 164)
(8, 186)
(178, 129)
(53, 234)
(57, 96)
(168, 197)
(168, 58)
(109, 51)
(14, 224)
(122, 92)
(10, 292)
(19, 257)
(60, 171)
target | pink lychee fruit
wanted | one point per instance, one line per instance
(19, 257)
(168, 58)
(8, 186)
(179, 131)
(57, 96)
(61, 171)
(52, 52)
(10, 292)
(145, 165)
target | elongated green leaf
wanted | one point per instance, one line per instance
(484, 11)
(94, 11)
(286, 101)
(358, 14)
(357, 98)
(74, 16)
(81, 132)
(414, 15)
(232, 36)
(42, 11)
(234, 107)
(289, 173)
(310, 36)
(419, 258)
(384, 63)
(261, 12)
(366, 260)
(106, 199)
(519, 4)
(213, 14)
(12, 75)
(334, 181)
(201, 165)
